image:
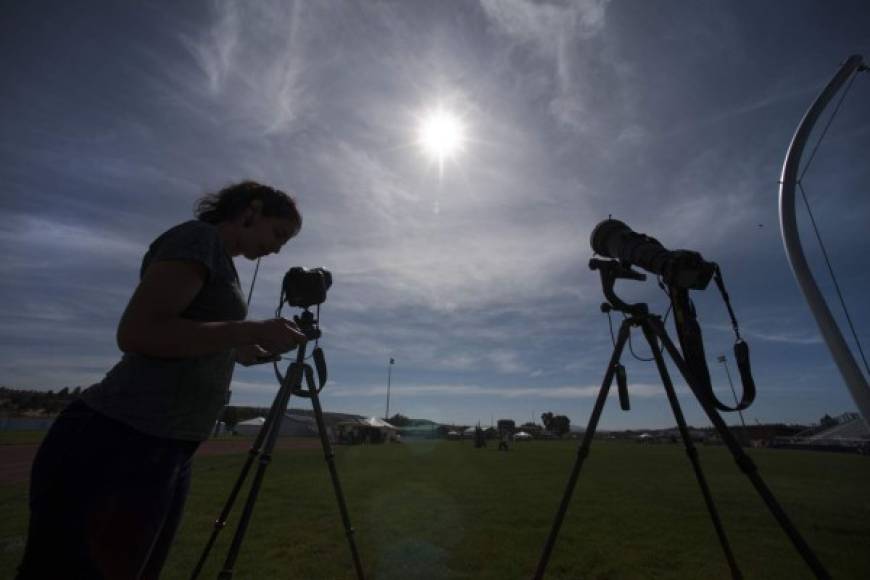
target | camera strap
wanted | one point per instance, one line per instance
(692, 345)
(741, 350)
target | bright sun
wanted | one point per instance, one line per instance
(441, 135)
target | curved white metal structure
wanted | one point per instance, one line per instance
(852, 373)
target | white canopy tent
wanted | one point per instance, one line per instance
(367, 430)
(292, 425)
(250, 427)
(377, 423)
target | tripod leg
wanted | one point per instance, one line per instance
(583, 449)
(333, 473)
(293, 379)
(691, 450)
(744, 462)
(278, 405)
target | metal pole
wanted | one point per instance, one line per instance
(389, 373)
(852, 374)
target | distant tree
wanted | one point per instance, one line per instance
(506, 426)
(560, 425)
(399, 420)
(35, 401)
(827, 421)
(547, 420)
(77, 391)
(64, 392)
(230, 417)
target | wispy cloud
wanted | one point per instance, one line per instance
(800, 337)
(41, 236)
(215, 50)
(561, 34)
(548, 25)
(253, 63)
(776, 325)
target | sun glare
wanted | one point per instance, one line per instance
(441, 135)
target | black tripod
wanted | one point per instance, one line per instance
(291, 383)
(654, 332)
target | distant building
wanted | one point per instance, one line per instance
(508, 426)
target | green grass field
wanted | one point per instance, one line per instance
(445, 510)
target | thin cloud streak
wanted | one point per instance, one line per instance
(564, 36)
(252, 66)
(564, 392)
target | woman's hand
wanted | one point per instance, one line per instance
(277, 335)
(152, 324)
(253, 354)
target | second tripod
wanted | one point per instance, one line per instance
(654, 332)
(291, 384)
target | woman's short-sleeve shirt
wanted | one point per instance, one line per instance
(179, 398)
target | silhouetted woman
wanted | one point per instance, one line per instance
(109, 481)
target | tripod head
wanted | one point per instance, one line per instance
(611, 271)
(308, 324)
(310, 327)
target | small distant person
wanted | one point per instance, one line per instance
(503, 442)
(109, 481)
(479, 439)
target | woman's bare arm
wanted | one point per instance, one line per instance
(152, 323)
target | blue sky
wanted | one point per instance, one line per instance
(671, 116)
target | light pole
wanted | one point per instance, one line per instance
(724, 362)
(389, 373)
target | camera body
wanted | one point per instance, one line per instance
(304, 288)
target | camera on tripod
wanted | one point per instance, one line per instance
(680, 271)
(304, 288)
(301, 288)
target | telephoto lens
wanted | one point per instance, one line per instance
(683, 268)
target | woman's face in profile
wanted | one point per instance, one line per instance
(266, 235)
